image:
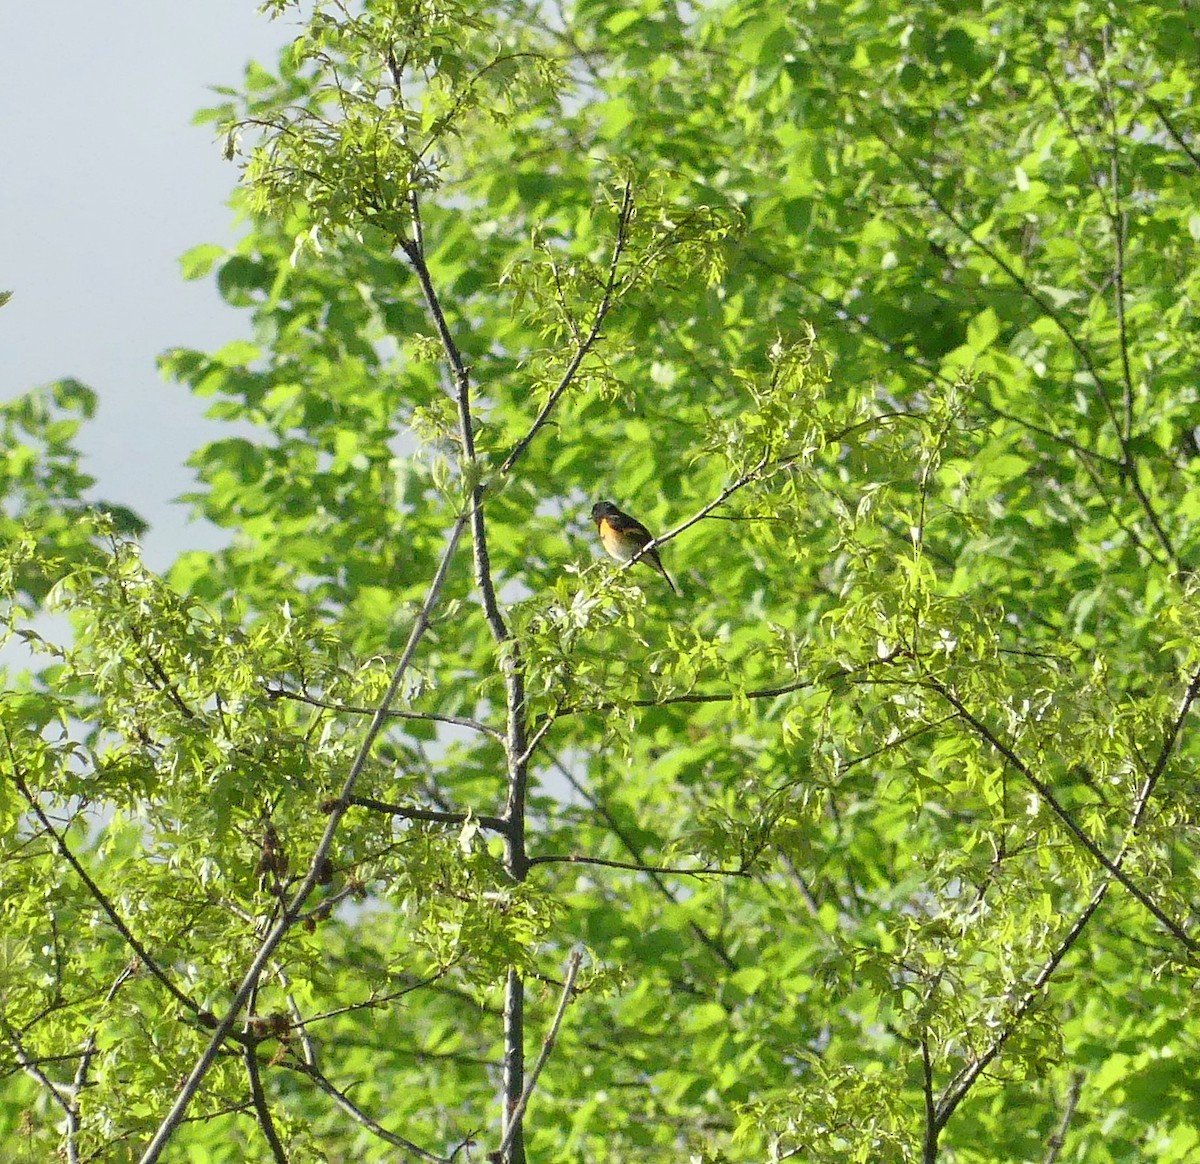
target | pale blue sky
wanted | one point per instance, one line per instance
(105, 183)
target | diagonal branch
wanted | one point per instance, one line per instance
(1174, 131)
(1113, 867)
(33, 1069)
(291, 913)
(100, 897)
(962, 1083)
(310, 1071)
(587, 342)
(956, 1091)
(843, 316)
(414, 250)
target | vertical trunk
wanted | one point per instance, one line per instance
(514, 1064)
(516, 860)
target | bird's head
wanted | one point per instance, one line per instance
(602, 509)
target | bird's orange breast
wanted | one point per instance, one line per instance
(619, 545)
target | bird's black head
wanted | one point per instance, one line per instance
(603, 509)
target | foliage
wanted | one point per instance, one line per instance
(879, 840)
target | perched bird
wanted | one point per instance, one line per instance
(623, 536)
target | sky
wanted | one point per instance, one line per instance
(105, 184)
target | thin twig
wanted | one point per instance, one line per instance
(636, 867)
(848, 673)
(85, 1063)
(300, 1022)
(725, 494)
(1054, 1145)
(1119, 221)
(711, 943)
(277, 692)
(434, 816)
(360, 1117)
(584, 345)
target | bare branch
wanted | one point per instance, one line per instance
(360, 1117)
(636, 867)
(434, 816)
(1054, 1145)
(414, 250)
(278, 692)
(301, 1023)
(262, 1109)
(929, 1152)
(516, 860)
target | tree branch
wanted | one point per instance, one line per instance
(962, 1083)
(1056, 806)
(32, 1068)
(278, 692)
(1119, 222)
(1129, 461)
(359, 1116)
(1173, 130)
(435, 816)
(99, 896)
(1054, 1145)
(929, 1151)
(956, 1090)
(291, 913)
(848, 673)
(585, 344)
(712, 944)
(636, 867)
(262, 1109)
(516, 860)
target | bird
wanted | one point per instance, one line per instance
(623, 536)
